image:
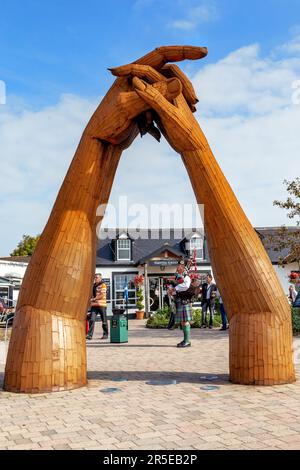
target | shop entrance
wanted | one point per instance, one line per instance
(158, 285)
(157, 288)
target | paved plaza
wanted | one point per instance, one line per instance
(197, 408)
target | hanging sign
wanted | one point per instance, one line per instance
(163, 262)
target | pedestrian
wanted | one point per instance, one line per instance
(183, 302)
(98, 307)
(208, 290)
(222, 310)
(292, 294)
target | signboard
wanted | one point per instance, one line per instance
(163, 262)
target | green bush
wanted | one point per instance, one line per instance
(166, 311)
(196, 322)
(296, 320)
(140, 298)
(197, 316)
(160, 318)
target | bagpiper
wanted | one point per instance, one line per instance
(182, 294)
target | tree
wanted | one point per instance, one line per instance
(287, 239)
(26, 246)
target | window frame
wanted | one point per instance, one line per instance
(120, 248)
(115, 302)
(196, 238)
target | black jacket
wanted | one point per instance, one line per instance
(204, 287)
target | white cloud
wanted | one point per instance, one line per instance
(36, 149)
(243, 82)
(245, 109)
(248, 115)
(195, 15)
(292, 46)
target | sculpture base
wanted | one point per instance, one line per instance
(47, 353)
(260, 350)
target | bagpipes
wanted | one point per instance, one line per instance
(191, 271)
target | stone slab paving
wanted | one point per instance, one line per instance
(143, 416)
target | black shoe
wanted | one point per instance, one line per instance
(88, 337)
(203, 326)
(210, 327)
(223, 329)
(183, 344)
(104, 337)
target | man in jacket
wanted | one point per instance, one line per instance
(208, 290)
(98, 307)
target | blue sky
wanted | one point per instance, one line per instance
(47, 48)
(54, 59)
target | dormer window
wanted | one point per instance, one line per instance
(123, 249)
(196, 244)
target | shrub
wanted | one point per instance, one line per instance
(197, 316)
(140, 298)
(296, 320)
(196, 322)
(138, 282)
(159, 319)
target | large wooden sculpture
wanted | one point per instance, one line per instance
(47, 350)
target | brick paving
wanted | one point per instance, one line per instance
(143, 416)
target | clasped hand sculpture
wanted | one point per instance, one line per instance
(47, 350)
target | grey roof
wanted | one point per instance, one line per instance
(16, 259)
(264, 233)
(149, 242)
(164, 247)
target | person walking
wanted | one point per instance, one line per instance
(98, 307)
(208, 290)
(292, 294)
(222, 310)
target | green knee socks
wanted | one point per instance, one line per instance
(186, 333)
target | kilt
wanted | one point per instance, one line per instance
(184, 312)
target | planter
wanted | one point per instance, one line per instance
(139, 314)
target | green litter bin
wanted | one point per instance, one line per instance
(118, 327)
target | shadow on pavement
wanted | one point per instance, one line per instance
(145, 376)
(182, 377)
(128, 345)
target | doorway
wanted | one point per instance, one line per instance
(157, 288)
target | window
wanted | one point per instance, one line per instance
(4, 293)
(196, 243)
(123, 249)
(119, 284)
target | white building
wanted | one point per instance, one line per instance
(153, 253)
(12, 271)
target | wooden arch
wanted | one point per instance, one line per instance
(47, 350)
